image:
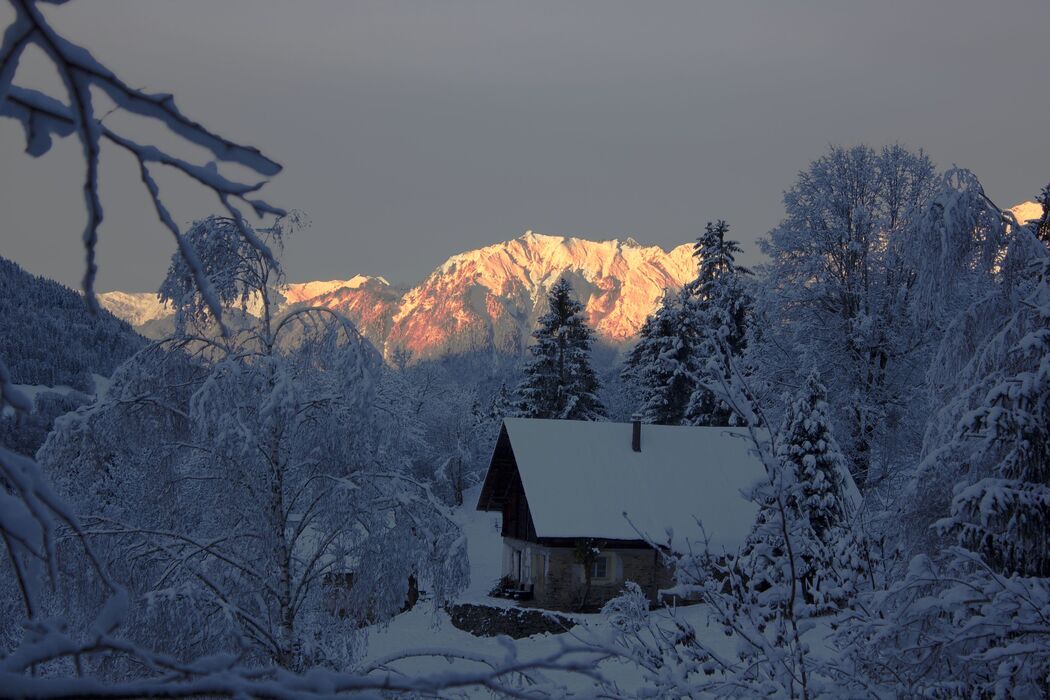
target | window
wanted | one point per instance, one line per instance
(600, 568)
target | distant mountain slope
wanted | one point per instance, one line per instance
(141, 308)
(491, 297)
(48, 337)
(1027, 211)
(482, 299)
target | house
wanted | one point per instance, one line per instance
(569, 487)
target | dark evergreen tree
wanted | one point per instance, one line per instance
(49, 336)
(716, 255)
(720, 305)
(501, 406)
(559, 381)
(661, 369)
(1043, 227)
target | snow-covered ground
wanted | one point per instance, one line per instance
(32, 390)
(484, 547)
(424, 628)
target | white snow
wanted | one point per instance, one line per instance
(295, 292)
(134, 307)
(423, 628)
(484, 547)
(32, 390)
(582, 479)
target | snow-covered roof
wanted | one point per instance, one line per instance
(580, 479)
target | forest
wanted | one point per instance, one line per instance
(252, 498)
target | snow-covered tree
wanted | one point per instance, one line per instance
(817, 495)
(455, 429)
(962, 290)
(968, 617)
(717, 269)
(836, 294)
(296, 520)
(559, 381)
(501, 406)
(46, 653)
(720, 306)
(1002, 510)
(664, 371)
(769, 594)
(76, 113)
(661, 368)
(805, 445)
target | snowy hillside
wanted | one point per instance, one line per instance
(487, 298)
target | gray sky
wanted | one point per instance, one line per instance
(410, 131)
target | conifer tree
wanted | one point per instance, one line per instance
(1043, 227)
(559, 381)
(808, 447)
(661, 368)
(501, 405)
(807, 503)
(720, 305)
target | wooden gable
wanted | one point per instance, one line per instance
(503, 492)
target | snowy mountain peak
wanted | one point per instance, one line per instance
(296, 292)
(139, 308)
(1027, 211)
(488, 298)
(136, 308)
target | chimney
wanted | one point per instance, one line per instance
(636, 432)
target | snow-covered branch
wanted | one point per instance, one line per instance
(44, 117)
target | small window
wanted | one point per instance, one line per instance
(600, 568)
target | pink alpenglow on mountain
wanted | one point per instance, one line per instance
(487, 298)
(491, 297)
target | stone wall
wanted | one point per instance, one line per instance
(487, 621)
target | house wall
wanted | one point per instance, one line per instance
(558, 579)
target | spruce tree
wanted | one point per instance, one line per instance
(661, 368)
(559, 381)
(501, 406)
(808, 448)
(720, 306)
(806, 506)
(716, 255)
(1043, 227)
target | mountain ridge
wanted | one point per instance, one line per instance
(488, 298)
(485, 298)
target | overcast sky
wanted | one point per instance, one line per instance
(411, 131)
